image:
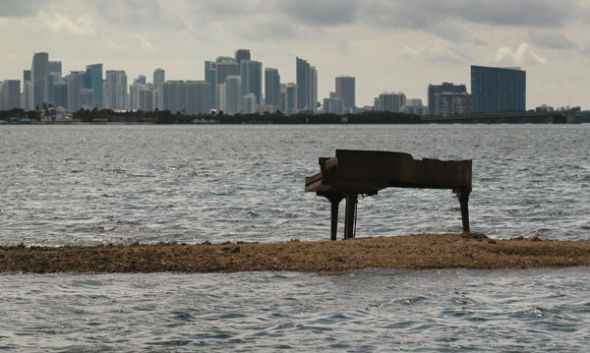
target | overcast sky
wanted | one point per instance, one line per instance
(387, 45)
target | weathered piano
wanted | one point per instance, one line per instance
(352, 172)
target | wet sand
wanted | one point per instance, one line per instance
(425, 251)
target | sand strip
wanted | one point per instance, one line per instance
(425, 251)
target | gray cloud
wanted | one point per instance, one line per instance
(320, 13)
(19, 8)
(551, 40)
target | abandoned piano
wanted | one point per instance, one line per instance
(352, 172)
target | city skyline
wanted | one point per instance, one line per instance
(387, 46)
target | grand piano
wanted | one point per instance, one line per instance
(351, 173)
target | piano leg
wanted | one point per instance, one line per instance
(334, 199)
(463, 195)
(350, 215)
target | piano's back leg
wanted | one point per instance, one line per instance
(463, 196)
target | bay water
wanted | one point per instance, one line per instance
(88, 185)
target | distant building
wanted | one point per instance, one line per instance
(159, 79)
(27, 99)
(115, 90)
(138, 85)
(450, 103)
(148, 96)
(289, 98)
(334, 104)
(445, 87)
(544, 108)
(232, 94)
(249, 103)
(307, 88)
(346, 91)
(210, 76)
(75, 84)
(241, 55)
(60, 94)
(187, 97)
(93, 81)
(10, 94)
(272, 88)
(251, 73)
(390, 102)
(414, 106)
(224, 67)
(495, 90)
(39, 77)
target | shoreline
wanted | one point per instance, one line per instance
(415, 252)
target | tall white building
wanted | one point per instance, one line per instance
(307, 86)
(115, 90)
(232, 94)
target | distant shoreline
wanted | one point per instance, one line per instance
(417, 252)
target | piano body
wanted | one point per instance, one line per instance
(355, 172)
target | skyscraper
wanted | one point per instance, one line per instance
(289, 98)
(242, 54)
(93, 81)
(187, 97)
(138, 85)
(390, 102)
(272, 88)
(224, 66)
(345, 90)
(495, 90)
(11, 94)
(306, 86)
(75, 84)
(445, 87)
(39, 77)
(233, 94)
(27, 102)
(251, 72)
(115, 90)
(159, 79)
(210, 76)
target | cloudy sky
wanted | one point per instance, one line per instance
(388, 45)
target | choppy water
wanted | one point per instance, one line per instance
(367, 311)
(95, 184)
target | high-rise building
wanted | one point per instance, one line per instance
(60, 94)
(390, 102)
(333, 104)
(414, 106)
(251, 72)
(138, 84)
(75, 84)
(94, 82)
(27, 99)
(232, 94)
(39, 77)
(147, 98)
(242, 54)
(224, 66)
(115, 90)
(159, 79)
(187, 97)
(272, 88)
(55, 67)
(495, 90)
(345, 90)
(306, 86)
(450, 103)
(11, 94)
(289, 98)
(210, 76)
(445, 87)
(249, 103)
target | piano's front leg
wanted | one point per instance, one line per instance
(463, 196)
